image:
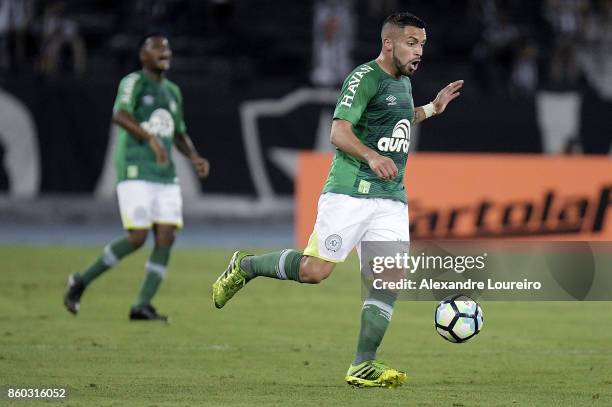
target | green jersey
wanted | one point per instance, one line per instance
(380, 107)
(158, 107)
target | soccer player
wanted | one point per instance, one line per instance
(364, 197)
(149, 112)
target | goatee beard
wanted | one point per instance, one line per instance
(399, 67)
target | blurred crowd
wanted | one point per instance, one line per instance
(512, 46)
(508, 46)
(561, 43)
(24, 23)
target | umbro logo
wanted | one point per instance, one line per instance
(392, 100)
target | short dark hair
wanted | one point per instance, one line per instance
(404, 19)
(144, 39)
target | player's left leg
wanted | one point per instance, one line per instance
(340, 220)
(282, 265)
(390, 225)
(288, 264)
(155, 271)
(167, 217)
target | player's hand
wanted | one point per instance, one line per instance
(201, 165)
(446, 95)
(161, 156)
(383, 167)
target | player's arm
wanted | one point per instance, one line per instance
(129, 122)
(342, 136)
(183, 143)
(443, 98)
(351, 105)
(123, 115)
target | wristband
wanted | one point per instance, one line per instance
(429, 109)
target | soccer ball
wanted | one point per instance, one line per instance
(458, 318)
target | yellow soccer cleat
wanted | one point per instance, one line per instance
(374, 374)
(232, 280)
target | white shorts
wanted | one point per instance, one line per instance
(144, 203)
(343, 222)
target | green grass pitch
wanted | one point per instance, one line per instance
(279, 343)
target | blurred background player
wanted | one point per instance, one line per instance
(149, 111)
(364, 197)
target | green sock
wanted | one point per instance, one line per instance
(113, 252)
(155, 270)
(375, 316)
(284, 265)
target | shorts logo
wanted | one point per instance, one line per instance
(333, 243)
(140, 214)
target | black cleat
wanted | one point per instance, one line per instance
(146, 313)
(74, 291)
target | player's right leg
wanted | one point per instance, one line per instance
(112, 253)
(387, 235)
(134, 205)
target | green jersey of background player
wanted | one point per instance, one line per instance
(371, 132)
(149, 112)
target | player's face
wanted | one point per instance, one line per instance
(156, 54)
(408, 49)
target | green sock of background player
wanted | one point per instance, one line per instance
(283, 265)
(112, 253)
(155, 270)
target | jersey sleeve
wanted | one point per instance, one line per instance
(181, 127)
(358, 88)
(127, 95)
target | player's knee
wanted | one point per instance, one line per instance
(165, 238)
(137, 238)
(315, 276)
(314, 272)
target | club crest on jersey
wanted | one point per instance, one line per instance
(399, 140)
(160, 123)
